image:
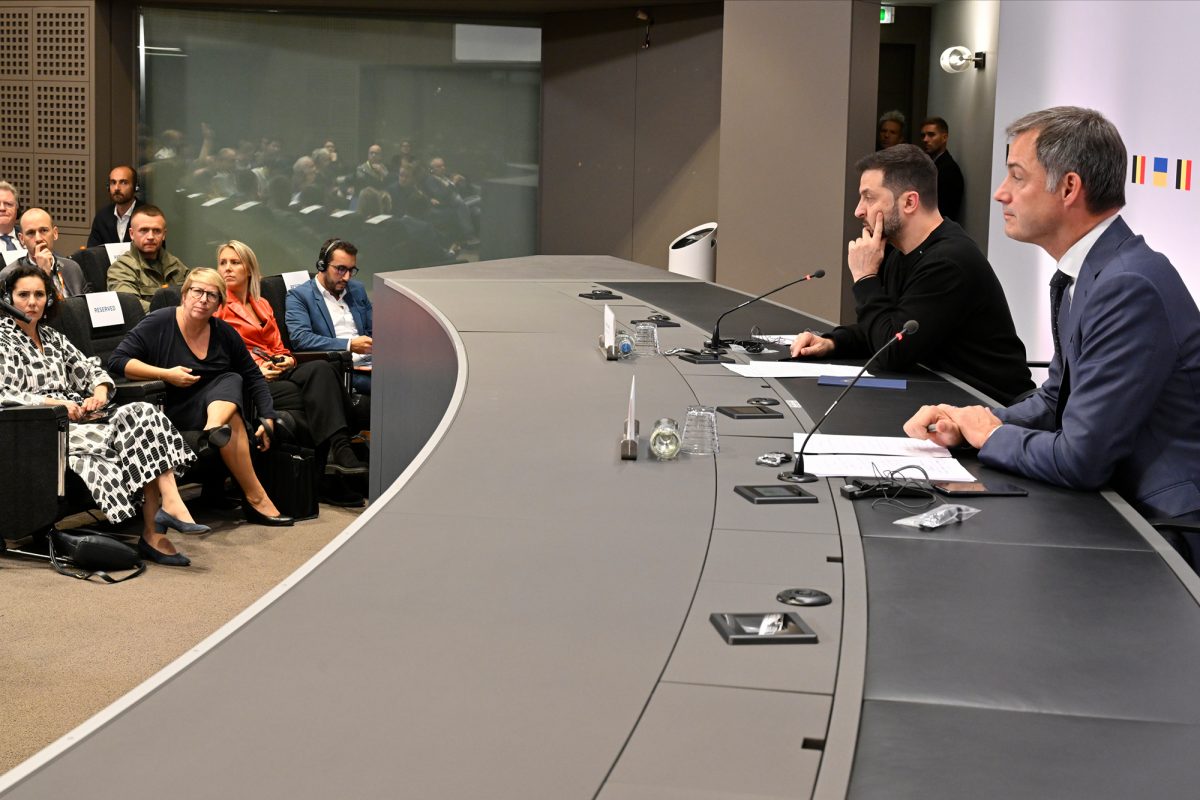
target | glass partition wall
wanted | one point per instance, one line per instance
(416, 140)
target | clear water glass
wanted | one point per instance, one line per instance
(700, 431)
(645, 339)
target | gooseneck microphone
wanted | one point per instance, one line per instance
(717, 343)
(798, 475)
(13, 311)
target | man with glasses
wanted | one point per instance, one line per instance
(333, 312)
(147, 267)
(8, 217)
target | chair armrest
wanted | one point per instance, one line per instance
(153, 392)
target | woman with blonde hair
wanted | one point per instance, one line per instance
(208, 374)
(311, 389)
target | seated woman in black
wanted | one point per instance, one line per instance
(128, 457)
(206, 369)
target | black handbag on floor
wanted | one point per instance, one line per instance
(95, 554)
(289, 474)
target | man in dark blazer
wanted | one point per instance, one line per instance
(1122, 402)
(333, 312)
(38, 234)
(111, 223)
(935, 134)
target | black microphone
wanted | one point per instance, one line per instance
(14, 312)
(798, 475)
(716, 342)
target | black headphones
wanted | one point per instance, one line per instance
(323, 260)
(51, 294)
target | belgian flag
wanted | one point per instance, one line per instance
(1139, 169)
(1183, 174)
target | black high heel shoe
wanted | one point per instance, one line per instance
(163, 520)
(159, 557)
(216, 437)
(258, 518)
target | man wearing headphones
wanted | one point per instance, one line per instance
(111, 224)
(333, 312)
(38, 234)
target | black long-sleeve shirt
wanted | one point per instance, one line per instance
(949, 288)
(157, 341)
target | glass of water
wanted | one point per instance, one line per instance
(645, 339)
(700, 431)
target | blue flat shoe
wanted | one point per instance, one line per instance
(158, 557)
(163, 520)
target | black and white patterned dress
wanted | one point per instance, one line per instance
(117, 458)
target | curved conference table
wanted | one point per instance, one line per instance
(520, 614)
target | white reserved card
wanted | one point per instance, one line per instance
(610, 324)
(293, 279)
(105, 309)
(115, 250)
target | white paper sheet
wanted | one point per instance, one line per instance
(938, 469)
(115, 250)
(608, 332)
(777, 338)
(793, 369)
(834, 443)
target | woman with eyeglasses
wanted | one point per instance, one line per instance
(126, 455)
(312, 388)
(208, 375)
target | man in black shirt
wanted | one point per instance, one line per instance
(931, 272)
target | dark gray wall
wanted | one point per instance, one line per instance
(629, 134)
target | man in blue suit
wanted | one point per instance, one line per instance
(1122, 402)
(333, 312)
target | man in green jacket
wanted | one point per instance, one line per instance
(147, 267)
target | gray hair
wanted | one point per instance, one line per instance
(1079, 140)
(892, 116)
(5, 186)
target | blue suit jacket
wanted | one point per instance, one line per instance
(309, 324)
(1132, 418)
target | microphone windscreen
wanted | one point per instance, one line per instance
(911, 327)
(818, 274)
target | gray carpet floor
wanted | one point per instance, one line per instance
(68, 648)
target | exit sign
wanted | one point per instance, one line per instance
(887, 15)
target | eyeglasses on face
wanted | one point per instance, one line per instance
(197, 293)
(351, 271)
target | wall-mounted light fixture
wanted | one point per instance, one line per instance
(959, 59)
(645, 16)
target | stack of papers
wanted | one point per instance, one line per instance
(869, 456)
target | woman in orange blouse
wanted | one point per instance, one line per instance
(311, 388)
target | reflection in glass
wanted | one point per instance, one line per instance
(283, 130)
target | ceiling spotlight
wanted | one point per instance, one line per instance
(959, 59)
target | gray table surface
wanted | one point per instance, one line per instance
(522, 614)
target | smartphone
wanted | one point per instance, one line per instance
(977, 489)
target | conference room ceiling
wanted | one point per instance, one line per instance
(489, 8)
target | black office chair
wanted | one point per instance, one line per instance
(94, 263)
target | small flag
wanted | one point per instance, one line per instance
(1139, 170)
(1160, 171)
(1183, 174)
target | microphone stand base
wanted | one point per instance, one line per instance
(704, 358)
(803, 477)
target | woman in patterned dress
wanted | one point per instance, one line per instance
(127, 459)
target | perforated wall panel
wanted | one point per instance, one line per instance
(16, 111)
(46, 107)
(60, 44)
(16, 28)
(17, 169)
(61, 184)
